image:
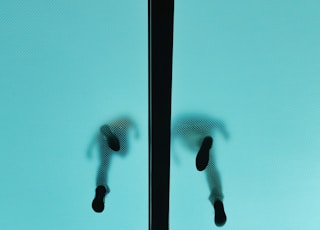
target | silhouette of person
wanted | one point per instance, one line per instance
(112, 138)
(195, 132)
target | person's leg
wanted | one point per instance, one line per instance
(216, 195)
(122, 136)
(112, 139)
(98, 201)
(202, 158)
(102, 188)
(103, 169)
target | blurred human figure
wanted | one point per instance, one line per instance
(196, 132)
(112, 138)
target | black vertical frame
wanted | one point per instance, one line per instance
(160, 45)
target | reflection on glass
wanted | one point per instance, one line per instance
(196, 132)
(112, 139)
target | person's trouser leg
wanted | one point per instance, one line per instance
(216, 195)
(202, 158)
(102, 188)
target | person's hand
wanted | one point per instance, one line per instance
(89, 154)
(226, 134)
(136, 134)
(176, 159)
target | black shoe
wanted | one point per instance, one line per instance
(202, 158)
(98, 201)
(220, 217)
(113, 140)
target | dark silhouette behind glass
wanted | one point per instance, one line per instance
(196, 132)
(112, 138)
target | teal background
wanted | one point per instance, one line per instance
(256, 66)
(67, 67)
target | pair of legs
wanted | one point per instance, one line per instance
(205, 162)
(200, 141)
(108, 143)
(112, 138)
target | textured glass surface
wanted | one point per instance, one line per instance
(66, 69)
(246, 73)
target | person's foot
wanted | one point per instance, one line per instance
(113, 140)
(220, 217)
(98, 201)
(202, 158)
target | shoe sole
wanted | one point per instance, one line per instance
(202, 158)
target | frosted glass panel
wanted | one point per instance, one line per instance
(69, 68)
(246, 74)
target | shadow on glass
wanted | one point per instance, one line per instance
(112, 139)
(197, 132)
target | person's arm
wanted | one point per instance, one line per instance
(91, 145)
(127, 123)
(221, 126)
(135, 129)
(174, 153)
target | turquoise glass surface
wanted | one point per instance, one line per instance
(253, 68)
(67, 68)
